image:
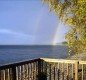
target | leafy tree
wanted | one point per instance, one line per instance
(72, 13)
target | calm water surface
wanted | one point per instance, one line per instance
(10, 54)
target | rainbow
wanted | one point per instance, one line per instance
(55, 36)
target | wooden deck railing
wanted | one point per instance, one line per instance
(62, 69)
(82, 69)
(26, 70)
(52, 69)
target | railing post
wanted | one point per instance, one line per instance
(76, 70)
(0, 75)
(41, 74)
(39, 70)
(50, 72)
(13, 72)
(39, 66)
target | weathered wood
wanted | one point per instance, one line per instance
(0, 74)
(39, 67)
(4, 74)
(72, 71)
(59, 60)
(50, 71)
(20, 73)
(82, 71)
(14, 73)
(62, 71)
(76, 70)
(27, 73)
(2, 67)
(54, 73)
(28, 70)
(42, 66)
(58, 71)
(82, 62)
(67, 72)
(23, 72)
(8, 74)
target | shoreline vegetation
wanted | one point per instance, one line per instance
(81, 56)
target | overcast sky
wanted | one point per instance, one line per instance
(29, 22)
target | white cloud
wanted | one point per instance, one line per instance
(13, 37)
(8, 31)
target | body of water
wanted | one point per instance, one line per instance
(10, 54)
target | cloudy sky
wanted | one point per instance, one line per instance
(29, 22)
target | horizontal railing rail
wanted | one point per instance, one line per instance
(59, 60)
(18, 63)
(44, 69)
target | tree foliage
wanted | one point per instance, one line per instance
(73, 13)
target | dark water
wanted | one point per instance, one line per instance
(10, 54)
